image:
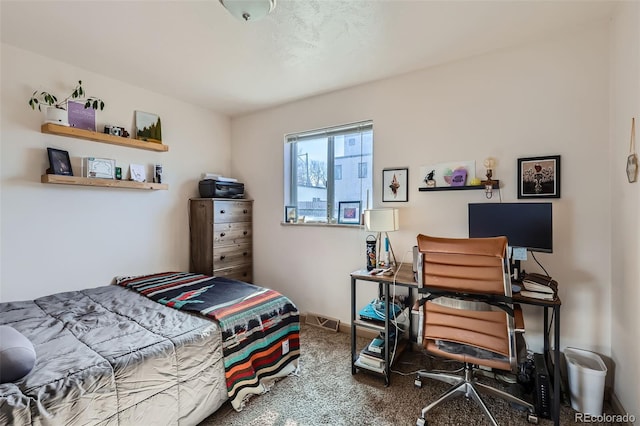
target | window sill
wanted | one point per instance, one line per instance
(323, 224)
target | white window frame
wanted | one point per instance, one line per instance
(290, 167)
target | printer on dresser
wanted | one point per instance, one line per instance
(221, 237)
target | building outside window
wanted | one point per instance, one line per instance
(338, 172)
(326, 166)
(362, 170)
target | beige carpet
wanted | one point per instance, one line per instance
(325, 393)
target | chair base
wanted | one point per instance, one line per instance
(470, 388)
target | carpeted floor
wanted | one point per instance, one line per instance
(325, 393)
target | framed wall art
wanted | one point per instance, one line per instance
(290, 214)
(102, 168)
(349, 212)
(395, 184)
(81, 117)
(148, 127)
(539, 177)
(59, 162)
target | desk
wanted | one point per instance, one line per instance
(405, 278)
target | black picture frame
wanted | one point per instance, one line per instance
(349, 212)
(59, 162)
(290, 214)
(539, 177)
(395, 184)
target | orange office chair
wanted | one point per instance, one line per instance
(468, 315)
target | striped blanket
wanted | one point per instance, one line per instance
(260, 327)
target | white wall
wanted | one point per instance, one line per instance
(57, 237)
(625, 205)
(548, 97)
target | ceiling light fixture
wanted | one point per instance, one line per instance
(249, 10)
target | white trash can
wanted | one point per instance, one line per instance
(587, 373)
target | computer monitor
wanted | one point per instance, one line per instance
(528, 225)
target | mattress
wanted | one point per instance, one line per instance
(108, 356)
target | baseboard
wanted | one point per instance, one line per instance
(619, 409)
(345, 328)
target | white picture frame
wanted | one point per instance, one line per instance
(99, 168)
(137, 172)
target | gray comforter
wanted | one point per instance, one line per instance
(108, 356)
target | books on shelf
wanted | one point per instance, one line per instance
(538, 286)
(371, 361)
(537, 295)
(377, 346)
(361, 364)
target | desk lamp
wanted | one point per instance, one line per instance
(383, 220)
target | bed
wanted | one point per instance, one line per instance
(165, 348)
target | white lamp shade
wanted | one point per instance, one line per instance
(381, 220)
(249, 10)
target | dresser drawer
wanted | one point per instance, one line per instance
(233, 255)
(232, 211)
(240, 273)
(231, 233)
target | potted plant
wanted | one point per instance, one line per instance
(56, 111)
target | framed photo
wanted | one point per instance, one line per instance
(349, 212)
(81, 117)
(539, 177)
(137, 172)
(148, 127)
(59, 162)
(290, 214)
(394, 184)
(102, 168)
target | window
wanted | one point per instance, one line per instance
(326, 166)
(362, 170)
(338, 172)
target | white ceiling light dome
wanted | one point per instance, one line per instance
(249, 10)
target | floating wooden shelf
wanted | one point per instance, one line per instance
(110, 183)
(496, 185)
(72, 132)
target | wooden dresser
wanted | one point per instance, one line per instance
(221, 237)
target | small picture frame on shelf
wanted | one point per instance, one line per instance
(138, 174)
(394, 184)
(148, 127)
(101, 168)
(81, 117)
(59, 162)
(539, 177)
(290, 214)
(349, 212)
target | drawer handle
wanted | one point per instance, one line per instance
(222, 257)
(245, 211)
(245, 232)
(245, 253)
(222, 234)
(222, 212)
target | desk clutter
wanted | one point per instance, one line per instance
(538, 286)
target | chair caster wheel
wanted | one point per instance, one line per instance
(417, 382)
(532, 418)
(421, 422)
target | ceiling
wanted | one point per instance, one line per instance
(196, 51)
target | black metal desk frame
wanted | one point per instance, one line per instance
(404, 278)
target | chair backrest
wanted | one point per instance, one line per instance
(469, 265)
(473, 266)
